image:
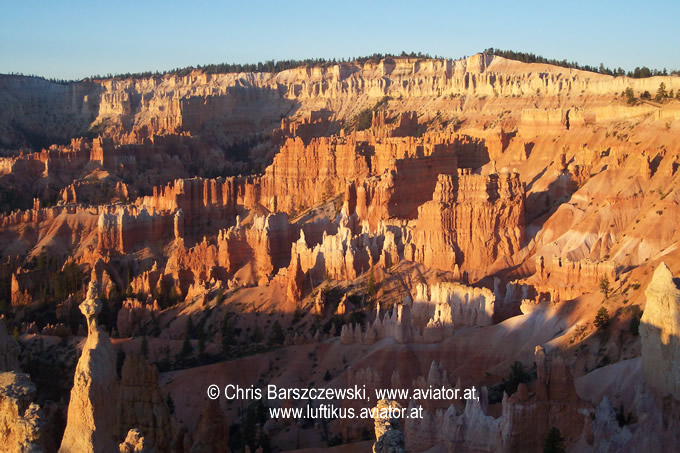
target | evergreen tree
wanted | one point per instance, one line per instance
(249, 428)
(554, 442)
(602, 318)
(201, 342)
(187, 348)
(635, 326)
(630, 95)
(517, 376)
(257, 335)
(276, 336)
(604, 287)
(661, 92)
(227, 334)
(370, 286)
(190, 328)
(170, 403)
(144, 349)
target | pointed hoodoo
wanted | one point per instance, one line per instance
(660, 334)
(92, 422)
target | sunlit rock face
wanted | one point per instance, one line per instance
(24, 422)
(660, 332)
(471, 221)
(394, 223)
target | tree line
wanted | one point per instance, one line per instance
(275, 66)
(525, 57)
(269, 66)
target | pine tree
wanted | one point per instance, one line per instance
(257, 335)
(370, 287)
(187, 348)
(630, 95)
(201, 342)
(661, 92)
(635, 326)
(228, 333)
(170, 403)
(554, 442)
(604, 287)
(276, 336)
(602, 318)
(517, 376)
(189, 328)
(144, 348)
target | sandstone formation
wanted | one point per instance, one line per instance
(134, 315)
(389, 438)
(141, 406)
(123, 228)
(430, 318)
(453, 305)
(134, 443)
(660, 332)
(23, 422)
(212, 432)
(550, 401)
(171, 103)
(442, 217)
(91, 424)
(466, 208)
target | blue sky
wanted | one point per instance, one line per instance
(84, 38)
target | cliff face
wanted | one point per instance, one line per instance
(135, 109)
(301, 176)
(391, 176)
(24, 102)
(121, 228)
(199, 199)
(406, 173)
(471, 221)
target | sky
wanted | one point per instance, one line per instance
(75, 39)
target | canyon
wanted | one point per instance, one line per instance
(392, 223)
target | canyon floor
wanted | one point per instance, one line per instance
(408, 223)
